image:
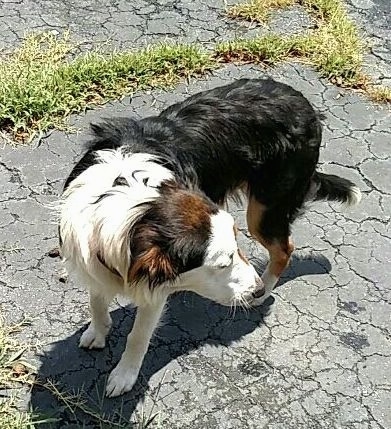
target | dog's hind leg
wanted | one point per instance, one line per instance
(125, 374)
(270, 226)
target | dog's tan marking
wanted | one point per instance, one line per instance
(255, 211)
(279, 251)
(194, 210)
(151, 264)
(240, 252)
(189, 208)
(280, 254)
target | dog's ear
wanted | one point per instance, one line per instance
(153, 265)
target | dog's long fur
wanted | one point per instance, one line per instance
(142, 203)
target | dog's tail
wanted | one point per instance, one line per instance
(334, 188)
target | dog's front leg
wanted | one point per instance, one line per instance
(125, 374)
(94, 337)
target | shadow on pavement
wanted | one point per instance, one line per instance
(190, 322)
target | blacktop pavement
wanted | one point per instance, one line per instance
(319, 356)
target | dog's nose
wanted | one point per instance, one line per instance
(260, 290)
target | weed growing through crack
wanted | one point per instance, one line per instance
(258, 10)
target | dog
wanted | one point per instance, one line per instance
(142, 211)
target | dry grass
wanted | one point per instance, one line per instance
(15, 373)
(80, 404)
(13, 369)
(258, 10)
(380, 94)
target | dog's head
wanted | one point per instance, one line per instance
(126, 219)
(184, 241)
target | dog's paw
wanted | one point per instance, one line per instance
(261, 300)
(92, 339)
(121, 380)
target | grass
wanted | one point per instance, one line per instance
(44, 81)
(334, 47)
(79, 403)
(380, 94)
(258, 10)
(14, 373)
(269, 50)
(41, 84)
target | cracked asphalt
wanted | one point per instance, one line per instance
(319, 355)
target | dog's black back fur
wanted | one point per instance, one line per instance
(257, 132)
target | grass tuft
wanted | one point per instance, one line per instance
(268, 50)
(258, 10)
(334, 47)
(40, 85)
(379, 93)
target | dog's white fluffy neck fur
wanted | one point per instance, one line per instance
(100, 224)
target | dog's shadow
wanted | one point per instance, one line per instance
(189, 323)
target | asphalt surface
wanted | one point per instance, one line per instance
(318, 356)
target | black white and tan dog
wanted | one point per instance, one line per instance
(141, 212)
